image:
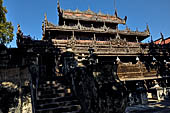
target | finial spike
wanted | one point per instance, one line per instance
(18, 28)
(115, 8)
(125, 19)
(99, 12)
(115, 12)
(162, 36)
(45, 15)
(88, 7)
(147, 28)
(115, 5)
(58, 4)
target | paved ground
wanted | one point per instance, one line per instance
(152, 107)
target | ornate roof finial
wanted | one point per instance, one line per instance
(147, 29)
(77, 10)
(99, 13)
(115, 12)
(115, 8)
(58, 5)
(45, 19)
(89, 8)
(125, 19)
(162, 36)
(45, 15)
(18, 29)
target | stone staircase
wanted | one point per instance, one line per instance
(56, 96)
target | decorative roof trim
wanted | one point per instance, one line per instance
(51, 26)
(89, 15)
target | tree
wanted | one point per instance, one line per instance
(6, 28)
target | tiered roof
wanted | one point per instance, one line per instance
(93, 17)
(90, 16)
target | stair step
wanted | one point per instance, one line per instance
(55, 95)
(52, 92)
(57, 104)
(61, 109)
(42, 85)
(46, 89)
(58, 79)
(57, 99)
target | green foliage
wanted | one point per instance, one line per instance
(6, 28)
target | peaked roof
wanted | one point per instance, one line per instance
(162, 41)
(89, 15)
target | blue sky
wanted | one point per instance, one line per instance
(30, 14)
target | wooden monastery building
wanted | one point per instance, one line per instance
(92, 42)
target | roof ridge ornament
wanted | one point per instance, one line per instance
(88, 8)
(77, 10)
(115, 8)
(147, 28)
(58, 5)
(125, 19)
(18, 28)
(45, 20)
(89, 11)
(127, 28)
(162, 36)
(116, 13)
(99, 13)
(45, 17)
